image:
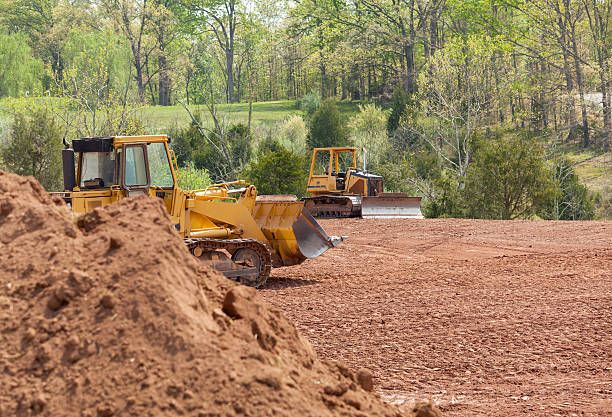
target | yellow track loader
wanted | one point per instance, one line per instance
(339, 189)
(242, 235)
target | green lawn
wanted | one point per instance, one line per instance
(158, 118)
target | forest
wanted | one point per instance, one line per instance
(486, 108)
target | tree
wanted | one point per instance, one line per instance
(20, 73)
(327, 127)
(221, 18)
(508, 179)
(572, 200)
(368, 130)
(34, 148)
(133, 17)
(277, 171)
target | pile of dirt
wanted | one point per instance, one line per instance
(112, 316)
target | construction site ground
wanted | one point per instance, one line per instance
(486, 318)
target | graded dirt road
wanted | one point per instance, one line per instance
(486, 318)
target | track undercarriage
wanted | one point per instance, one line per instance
(246, 261)
(332, 207)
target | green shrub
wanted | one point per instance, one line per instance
(292, 133)
(368, 130)
(309, 103)
(507, 179)
(572, 200)
(278, 171)
(192, 178)
(34, 147)
(327, 127)
(400, 102)
(222, 153)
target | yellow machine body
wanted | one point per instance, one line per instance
(110, 169)
(339, 189)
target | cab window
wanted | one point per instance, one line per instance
(321, 163)
(98, 167)
(135, 166)
(159, 165)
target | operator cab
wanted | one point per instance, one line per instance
(110, 168)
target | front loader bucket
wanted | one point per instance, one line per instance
(311, 238)
(391, 206)
(292, 232)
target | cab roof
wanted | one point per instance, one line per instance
(107, 143)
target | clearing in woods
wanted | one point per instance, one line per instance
(487, 318)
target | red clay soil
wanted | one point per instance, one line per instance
(113, 317)
(487, 318)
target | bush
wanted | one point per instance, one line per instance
(507, 179)
(309, 103)
(445, 200)
(230, 153)
(34, 147)
(400, 102)
(572, 200)
(368, 130)
(192, 178)
(278, 172)
(292, 133)
(327, 127)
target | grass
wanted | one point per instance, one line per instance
(267, 113)
(158, 119)
(594, 168)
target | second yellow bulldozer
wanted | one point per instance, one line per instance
(243, 235)
(338, 189)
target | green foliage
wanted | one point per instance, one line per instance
(20, 73)
(400, 101)
(222, 153)
(327, 127)
(278, 171)
(368, 130)
(97, 66)
(572, 201)
(292, 134)
(192, 178)
(508, 179)
(34, 148)
(445, 200)
(309, 103)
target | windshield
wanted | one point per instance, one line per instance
(159, 165)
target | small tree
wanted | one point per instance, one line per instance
(368, 130)
(507, 179)
(399, 108)
(192, 178)
(310, 103)
(34, 147)
(279, 171)
(327, 127)
(572, 201)
(293, 134)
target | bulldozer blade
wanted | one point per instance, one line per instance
(311, 238)
(391, 206)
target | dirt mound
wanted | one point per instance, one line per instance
(112, 316)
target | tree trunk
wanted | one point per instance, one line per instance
(605, 98)
(164, 81)
(229, 70)
(139, 77)
(580, 81)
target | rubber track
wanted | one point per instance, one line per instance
(232, 245)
